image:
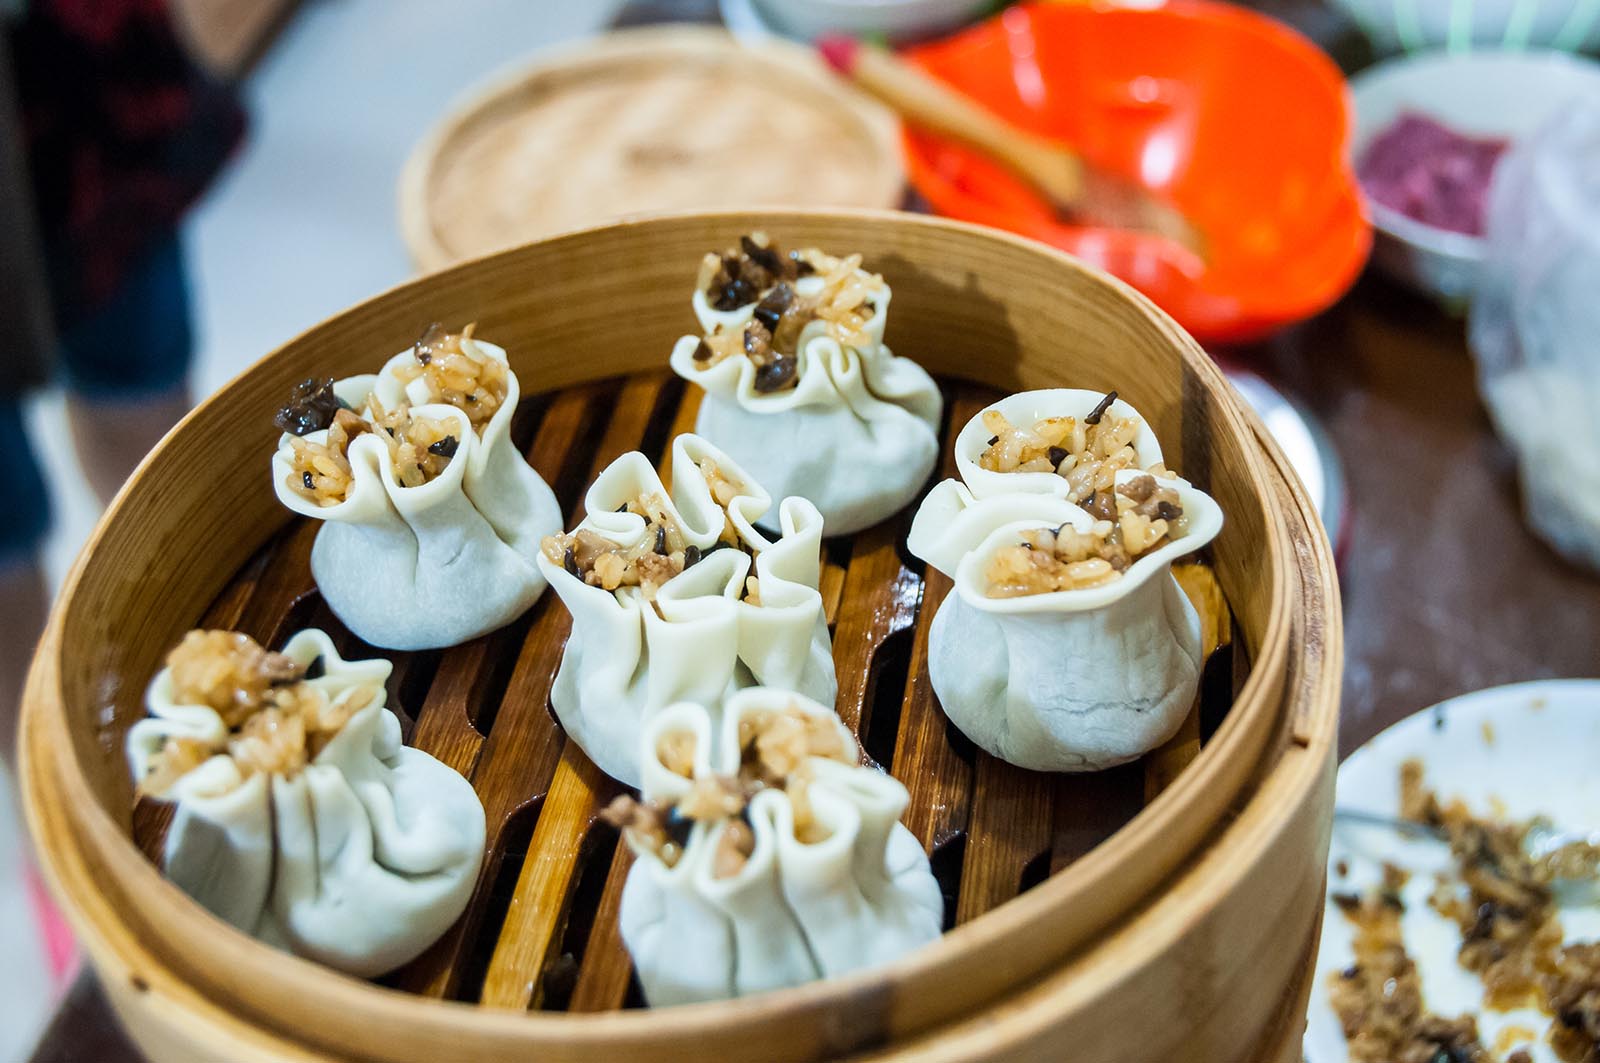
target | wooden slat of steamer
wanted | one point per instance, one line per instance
(518, 758)
(1164, 764)
(883, 600)
(1009, 826)
(682, 421)
(284, 582)
(937, 775)
(577, 792)
(607, 968)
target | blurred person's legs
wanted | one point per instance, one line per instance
(127, 369)
(24, 596)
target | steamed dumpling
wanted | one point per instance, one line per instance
(1066, 644)
(301, 818)
(432, 519)
(768, 855)
(800, 389)
(676, 596)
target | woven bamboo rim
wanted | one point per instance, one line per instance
(180, 971)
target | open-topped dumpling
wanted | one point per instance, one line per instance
(432, 518)
(301, 818)
(768, 855)
(800, 388)
(676, 596)
(1066, 644)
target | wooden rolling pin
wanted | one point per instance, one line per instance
(1077, 191)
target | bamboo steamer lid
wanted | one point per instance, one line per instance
(639, 122)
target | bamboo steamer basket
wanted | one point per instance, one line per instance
(652, 119)
(1178, 902)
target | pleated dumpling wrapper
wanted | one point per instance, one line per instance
(800, 388)
(1066, 643)
(675, 596)
(301, 819)
(431, 518)
(767, 854)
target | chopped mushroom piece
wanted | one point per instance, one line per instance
(311, 407)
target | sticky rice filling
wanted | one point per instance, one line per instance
(277, 721)
(758, 272)
(1087, 452)
(775, 750)
(1148, 516)
(662, 552)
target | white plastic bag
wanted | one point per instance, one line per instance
(858, 893)
(1535, 325)
(360, 860)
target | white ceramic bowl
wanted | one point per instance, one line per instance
(895, 19)
(1483, 94)
(1414, 25)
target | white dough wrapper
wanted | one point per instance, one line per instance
(626, 659)
(361, 861)
(857, 434)
(796, 911)
(410, 568)
(1076, 680)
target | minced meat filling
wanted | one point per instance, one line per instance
(276, 720)
(775, 747)
(1511, 936)
(757, 272)
(660, 554)
(1044, 560)
(1087, 452)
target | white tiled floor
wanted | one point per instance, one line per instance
(300, 227)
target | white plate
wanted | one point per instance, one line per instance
(1515, 751)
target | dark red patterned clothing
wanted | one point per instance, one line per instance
(122, 132)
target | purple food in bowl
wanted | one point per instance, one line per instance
(1431, 173)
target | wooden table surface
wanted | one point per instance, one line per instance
(1445, 590)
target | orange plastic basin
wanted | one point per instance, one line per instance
(1240, 121)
